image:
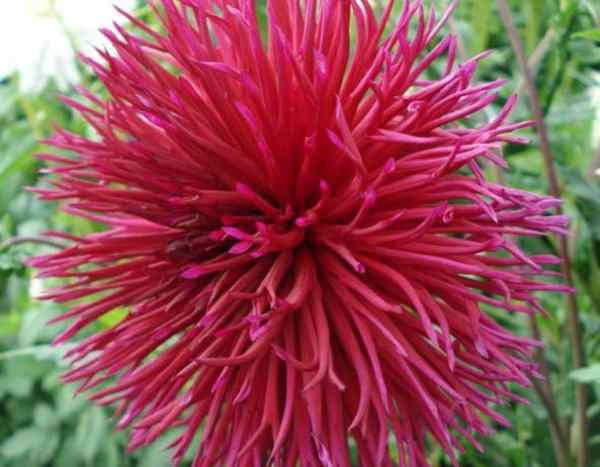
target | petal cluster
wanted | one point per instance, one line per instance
(299, 227)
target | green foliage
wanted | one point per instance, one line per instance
(590, 374)
(48, 424)
(44, 424)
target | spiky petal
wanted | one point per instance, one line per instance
(301, 233)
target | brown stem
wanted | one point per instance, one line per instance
(561, 453)
(560, 440)
(550, 168)
(34, 239)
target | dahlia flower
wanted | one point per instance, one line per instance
(43, 35)
(300, 230)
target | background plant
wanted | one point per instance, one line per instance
(43, 424)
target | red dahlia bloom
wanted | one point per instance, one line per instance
(301, 233)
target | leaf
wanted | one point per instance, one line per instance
(590, 374)
(587, 199)
(7, 226)
(68, 403)
(90, 433)
(585, 52)
(535, 11)
(113, 317)
(44, 417)
(110, 454)
(481, 13)
(25, 367)
(17, 143)
(595, 440)
(9, 323)
(46, 450)
(34, 327)
(154, 456)
(16, 386)
(39, 352)
(593, 34)
(22, 442)
(68, 455)
(8, 99)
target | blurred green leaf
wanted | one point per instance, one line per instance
(8, 98)
(154, 456)
(590, 374)
(68, 454)
(40, 353)
(23, 442)
(15, 386)
(35, 327)
(113, 317)
(44, 417)
(45, 451)
(593, 34)
(90, 433)
(68, 403)
(481, 25)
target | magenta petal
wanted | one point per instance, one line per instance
(301, 234)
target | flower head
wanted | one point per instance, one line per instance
(44, 35)
(301, 233)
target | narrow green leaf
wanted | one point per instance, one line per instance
(481, 15)
(593, 34)
(90, 433)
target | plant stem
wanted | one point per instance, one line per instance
(34, 239)
(560, 440)
(550, 167)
